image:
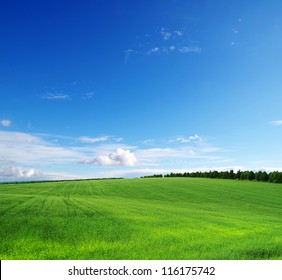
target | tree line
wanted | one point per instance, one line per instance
(272, 177)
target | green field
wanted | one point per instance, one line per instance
(159, 218)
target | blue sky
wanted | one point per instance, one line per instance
(129, 88)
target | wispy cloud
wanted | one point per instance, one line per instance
(88, 95)
(235, 31)
(41, 150)
(162, 156)
(56, 96)
(30, 156)
(191, 49)
(4, 162)
(137, 172)
(148, 141)
(194, 138)
(168, 34)
(170, 49)
(26, 148)
(103, 138)
(119, 139)
(166, 41)
(154, 50)
(86, 139)
(278, 122)
(6, 123)
(128, 55)
(178, 33)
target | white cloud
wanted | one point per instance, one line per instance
(195, 138)
(18, 138)
(165, 156)
(26, 148)
(235, 31)
(166, 50)
(88, 95)
(153, 155)
(192, 49)
(6, 123)
(269, 169)
(119, 157)
(279, 122)
(57, 96)
(178, 33)
(154, 50)
(128, 54)
(86, 139)
(148, 141)
(192, 139)
(172, 40)
(14, 172)
(22, 154)
(4, 162)
(119, 139)
(138, 172)
(166, 34)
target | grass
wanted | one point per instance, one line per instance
(158, 218)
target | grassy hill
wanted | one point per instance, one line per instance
(158, 218)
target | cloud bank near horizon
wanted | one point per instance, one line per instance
(42, 156)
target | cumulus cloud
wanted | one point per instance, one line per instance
(22, 153)
(26, 149)
(15, 172)
(279, 122)
(120, 157)
(86, 139)
(6, 123)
